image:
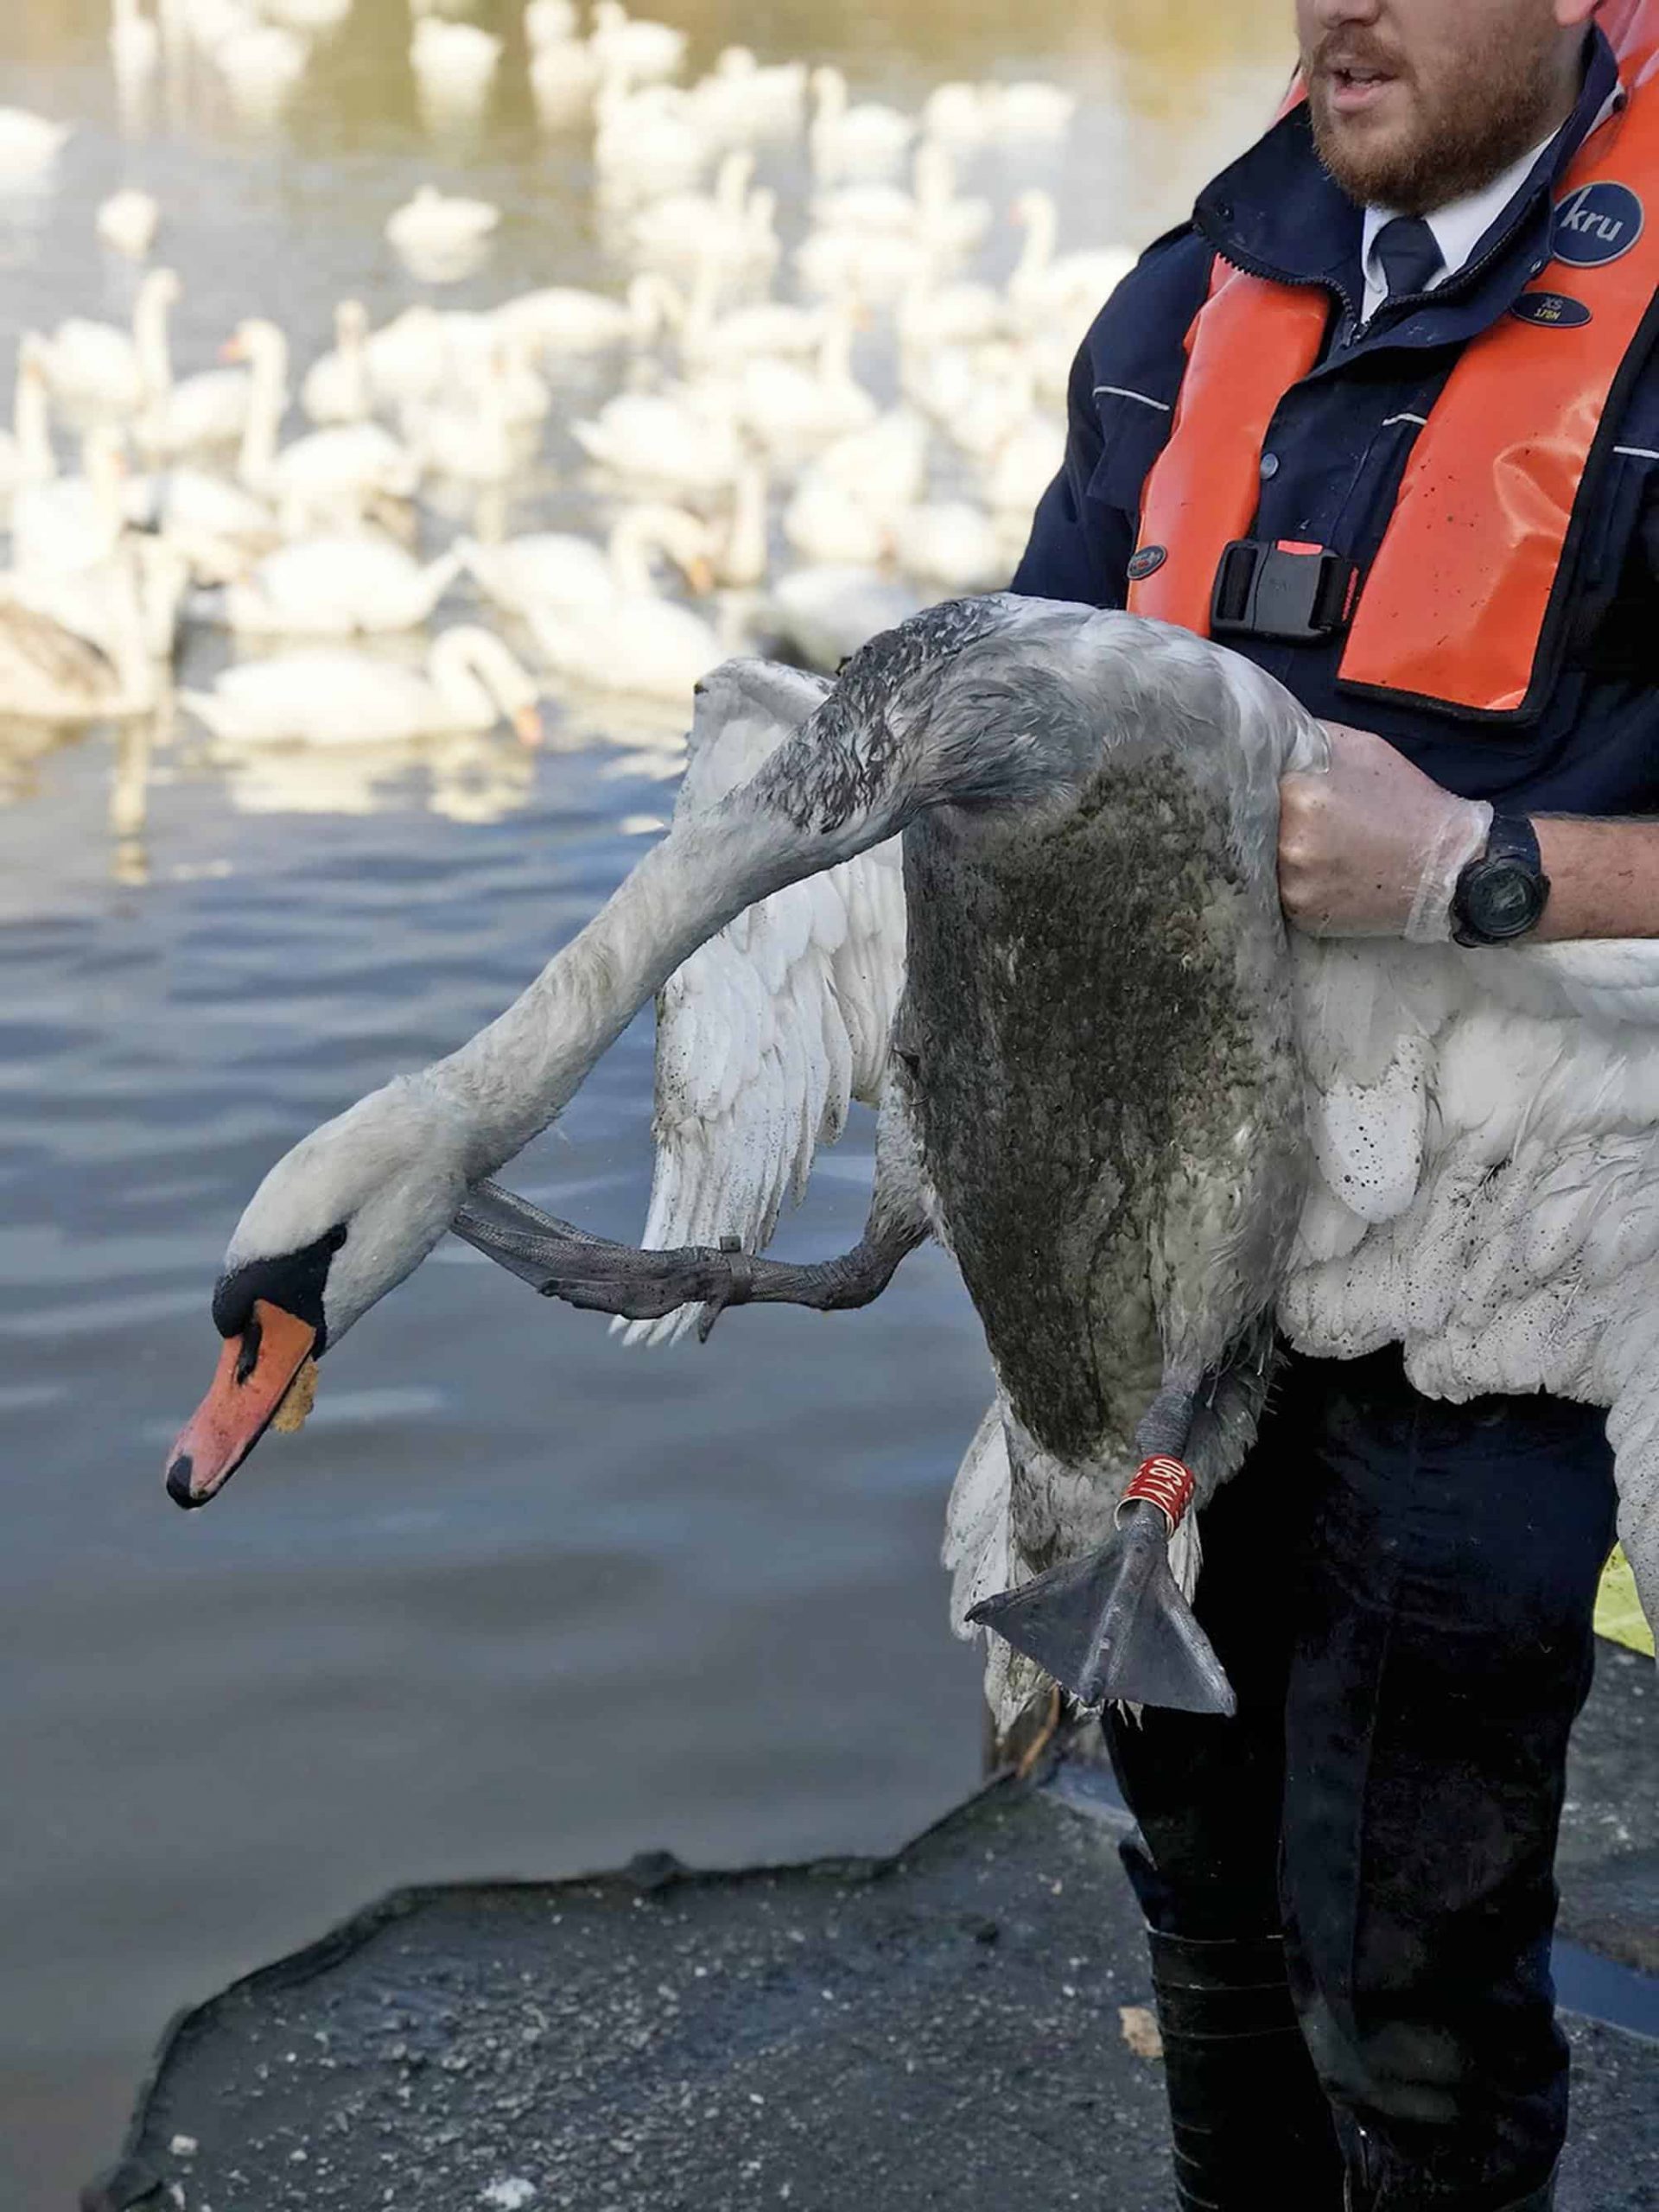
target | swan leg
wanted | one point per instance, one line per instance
(1114, 1624)
(560, 1260)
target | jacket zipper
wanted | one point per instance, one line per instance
(1467, 274)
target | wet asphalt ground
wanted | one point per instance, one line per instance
(938, 2028)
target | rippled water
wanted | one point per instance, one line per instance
(516, 1601)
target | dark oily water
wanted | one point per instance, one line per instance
(516, 1601)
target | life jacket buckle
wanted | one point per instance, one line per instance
(1283, 588)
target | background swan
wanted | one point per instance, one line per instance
(683, 229)
(51, 672)
(1073, 283)
(564, 74)
(679, 442)
(563, 319)
(97, 371)
(333, 696)
(823, 613)
(73, 522)
(338, 586)
(25, 453)
(475, 438)
(651, 141)
(182, 415)
(548, 22)
(949, 544)
(326, 476)
(128, 221)
(793, 409)
(439, 237)
(741, 103)
(98, 602)
(561, 572)
(451, 56)
(29, 146)
(307, 14)
(646, 646)
(336, 386)
(263, 65)
(867, 140)
(638, 50)
(219, 528)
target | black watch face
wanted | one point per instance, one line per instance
(1503, 898)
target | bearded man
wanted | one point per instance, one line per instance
(1384, 417)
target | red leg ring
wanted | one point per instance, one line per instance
(1165, 1482)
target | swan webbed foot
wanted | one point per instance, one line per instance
(1114, 1624)
(560, 1261)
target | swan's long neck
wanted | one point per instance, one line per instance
(30, 420)
(351, 334)
(743, 558)
(459, 681)
(697, 318)
(732, 184)
(835, 362)
(830, 96)
(150, 336)
(858, 771)
(267, 398)
(934, 177)
(138, 674)
(1041, 229)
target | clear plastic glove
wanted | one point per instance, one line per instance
(1370, 847)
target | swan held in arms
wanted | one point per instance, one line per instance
(1145, 1120)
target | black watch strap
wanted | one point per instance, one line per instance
(1501, 894)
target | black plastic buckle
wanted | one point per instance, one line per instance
(1282, 590)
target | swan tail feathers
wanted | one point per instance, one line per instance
(978, 1545)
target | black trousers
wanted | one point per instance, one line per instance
(1402, 1592)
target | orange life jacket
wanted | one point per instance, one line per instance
(1462, 605)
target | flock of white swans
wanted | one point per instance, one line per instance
(788, 424)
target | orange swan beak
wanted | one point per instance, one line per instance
(254, 1372)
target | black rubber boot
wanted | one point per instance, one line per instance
(1248, 2121)
(1375, 2182)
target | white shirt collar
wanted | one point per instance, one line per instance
(1459, 227)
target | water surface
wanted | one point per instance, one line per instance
(516, 1601)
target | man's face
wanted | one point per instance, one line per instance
(1415, 102)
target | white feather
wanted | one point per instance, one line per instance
(773, 1026)
(1510, 1100)
(978, 1545)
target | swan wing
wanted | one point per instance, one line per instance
(48, 670)
(1484, 1184)
(772, 1027)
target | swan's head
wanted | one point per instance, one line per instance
(338, 1222)
(261, 344)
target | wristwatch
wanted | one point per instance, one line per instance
(1501, 893)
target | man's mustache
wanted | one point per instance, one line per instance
(1341, 50)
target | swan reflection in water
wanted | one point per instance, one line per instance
(26, 744)
(465, 777)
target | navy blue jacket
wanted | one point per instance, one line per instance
(1337, 448)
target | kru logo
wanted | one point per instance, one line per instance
(1597, 222)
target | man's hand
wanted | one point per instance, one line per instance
(1370, 847)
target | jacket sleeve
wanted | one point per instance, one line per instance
(1120, 402)
(1077, 550)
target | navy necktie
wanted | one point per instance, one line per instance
(1408, 254)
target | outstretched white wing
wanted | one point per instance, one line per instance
(1485, 1140)
(773, 1026)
